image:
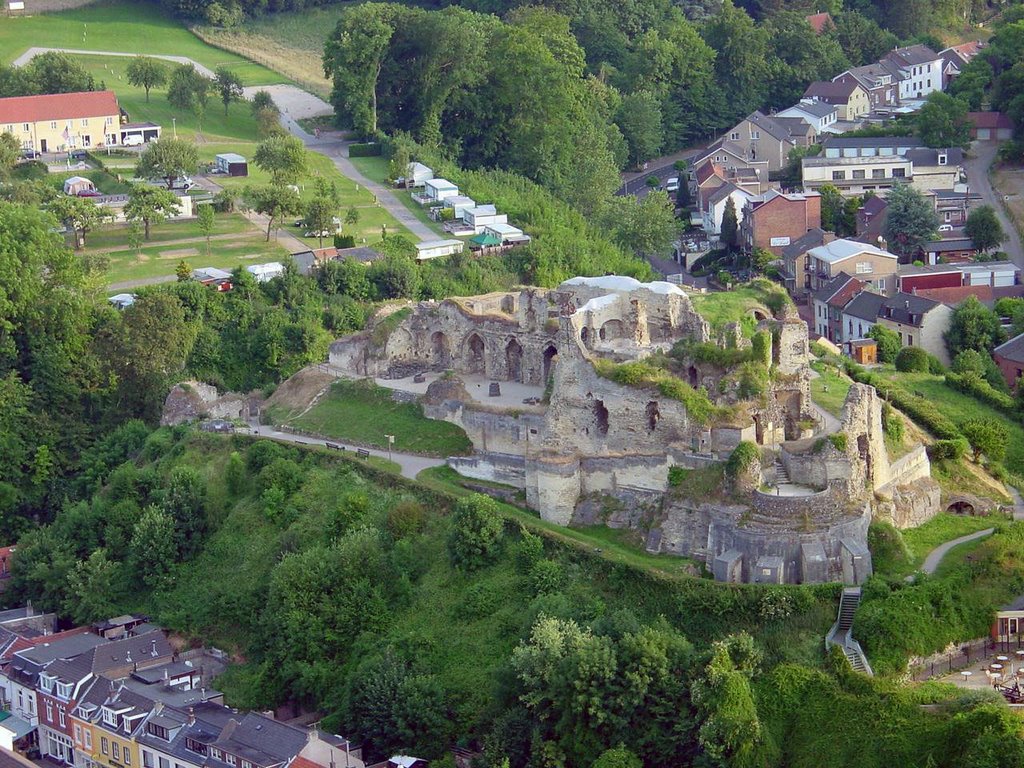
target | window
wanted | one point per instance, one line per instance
(88, 739)
(910, 340)
(46, 682)
(64, 690)
(60, 716)
(194, 746)
(942, 159)
(104, 745)
(755, 135)
(53, 125)
(21, 699)
(85, 122)
(127, 756)
(899, 173)
(864, 268)
(734, 136)
(78, 733)
(165, 763)
(109, 121)
(115, 749)
(858, 173)
(147, 759)
(109, 717)
(838, 175)
(49, 712)
(157, 730)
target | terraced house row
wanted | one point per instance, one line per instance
(116, 695)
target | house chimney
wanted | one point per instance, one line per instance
(906, 304)
(153, 652)
(128, 657)
(191, 716)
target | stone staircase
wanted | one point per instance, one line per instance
(781, 473)
(841, 633)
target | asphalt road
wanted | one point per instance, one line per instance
(984, 153)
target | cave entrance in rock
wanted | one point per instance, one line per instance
(961, 508)
(475, 360)
(440, 348)
(514, 360)
(550, 353)
(692, 376)
(653, 415)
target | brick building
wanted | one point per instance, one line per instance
(1009, 356)
(775, 220)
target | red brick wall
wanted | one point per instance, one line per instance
(908, 283)
(1009, 369)
(781, 217)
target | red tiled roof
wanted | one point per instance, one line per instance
(707, 170)
(59, 106)
(969, 50)
(819, 21)
(989, 120)
(302, 762)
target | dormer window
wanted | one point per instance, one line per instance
(46, 682)
(942, 159)
(109, 716)
(64, 691)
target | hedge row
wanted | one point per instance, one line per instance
(364, 150)
(975, 386)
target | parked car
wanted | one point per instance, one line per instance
(30, 154)
(133, 141)
(945, 228)
(77, 154)
(672, 185)
(313, 233)
(184, 183)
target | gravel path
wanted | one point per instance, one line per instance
(34, 51)
(983, 153)
(931, 562)
(411, 464)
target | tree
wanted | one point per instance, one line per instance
(10, 151)
(185, 503)
(136, 235)
(229, 86)
(476, 527)
(730, 226)
(206, 218)
(974, 326)
(346, 277)
(942, 122)
(911, 220)
(647, 227)
(283, 157)
(354, 57)
(742, 61)
(146, 72)
(352, 216)
(79, 214)
(56, 72)
(321, 209)
(984, 229)
(152, 551)
(861, 39)
(888, 343)
(620, 757)
(274, 202)
(639, 119)
(90, 589)
(262, 100)
(149, 204)
(395, 276)
(987, 437)
(912, 360)
(168, 159)
(183, 271)
(188, 90)
(268, 123)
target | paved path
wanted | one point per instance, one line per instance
(1018, 502)
(635, 183)
(411, 464)
(984, 152)
(330, 145)
(31, 53)
(931, 562)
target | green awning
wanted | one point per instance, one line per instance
(485, 240)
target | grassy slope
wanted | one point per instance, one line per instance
(365, 413)
(127, 27)
(829, 390)
(735, 305)
(376, 169)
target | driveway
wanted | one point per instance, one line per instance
(983, 154)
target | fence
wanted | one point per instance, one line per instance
(973, 652)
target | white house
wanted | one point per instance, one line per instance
(481, 216)
(438, 190)
(508, 234)
(714, 210)
(817, 114)
(417, 174)
(266, 272)
(869, 264)
(459, 203)
(432, 249)
(920, 70)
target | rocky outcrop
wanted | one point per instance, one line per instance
(910, 505)
(193, 400)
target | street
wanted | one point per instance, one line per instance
(635, 183)
(976, 166)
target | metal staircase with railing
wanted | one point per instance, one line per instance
(841, 633)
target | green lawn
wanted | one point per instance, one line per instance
(116, 235)
(940, 529)
(128, 27)
(829, 390)
(376, 169)
(736, 305)
(364, 413)
(160, 261)
(959, 408)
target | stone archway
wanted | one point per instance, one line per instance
(476, 358)
(550, 354)
(514, 360)
(961, 507)
(440, 349)
(613, 329)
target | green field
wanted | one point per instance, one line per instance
(113, 237)
(829, 389)
(364, 413)
(126, 27)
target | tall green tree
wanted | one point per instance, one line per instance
(475, 532)
(188, 90)
(861, 39)
(730, 226)
(168, 159)
(206, 219)
(229, 87)
(273, 201)
(984, 229)
(151, 551)
(647, 227)
(79, 214)
(56, 72)
(149, 205)
(90, 595)
(283, 157)
(10, 151)
(146, 72)
(742, 60)
(322, 208)
(942, 122)
(911, 220)
(973, 326)
(639, 119)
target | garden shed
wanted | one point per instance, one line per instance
(232, 164)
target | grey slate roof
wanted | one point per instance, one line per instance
(860, 142)
(1012, 350)
(865, 305)
(804, 243)
(912, 55)
(832, 287)
(816, 108)
(907, 309)
(928, 156)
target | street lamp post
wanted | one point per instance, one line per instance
(174, 126)
(391, 442)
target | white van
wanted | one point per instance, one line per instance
(672, 185)
(134, 140)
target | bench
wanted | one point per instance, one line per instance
(362, 453)
(335, 446)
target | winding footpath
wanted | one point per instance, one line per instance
(934, 558)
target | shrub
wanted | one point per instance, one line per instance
(987, 438)
(547, 576)
(888, 343)
(369, 149)
(405, 519)
(344, 241)
(912, 360)
(743, 456)
(838, 440)
(761, 350)
(676, 476)
(935, 366)
(952, 450)
(892, 424)
(643, 373)
(818, 349)
(975, 386)
(476, 531)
